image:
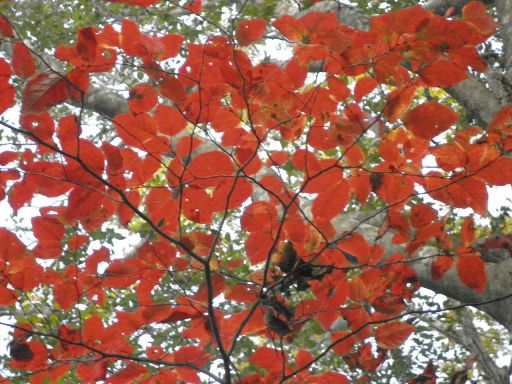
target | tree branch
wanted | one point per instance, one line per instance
(468, 337)
(499, 284)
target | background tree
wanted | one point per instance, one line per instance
(326, 174)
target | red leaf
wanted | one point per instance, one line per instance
(48, 230)
(125, 212)
(155, 313)
(7, 296)
(139, 131)
(250, 31)
(7, 92)
(331, 202)
(258, 216)
(469, 193)
(92, 373)
(267, 358)
(398, 102)
(498, 172)
(476, 13)
(5, 27)
(241, 293)
(328, 378)
(194, 6)
(193, 355)
(303, 358)
(422, 215)
(211, 165)
(356, 247)
(143, 98)
(364, 86)
(43, 92)
(338, 88)
(86, 44)
(169, 121)
(130, 374)
(430, 119)
(392, 335)
(440, 266)
(471, 269)
(181, 313)
(290, 28)
(22, 62)
(173, 89)
(467, 231)
(344, 342)
(66, 294)
(141, 3)
(443, 73)
(258, 245)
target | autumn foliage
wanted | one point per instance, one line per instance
(223, 146)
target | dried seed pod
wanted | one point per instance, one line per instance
(285, 257)
(20, 351)
(376, 181)
(275, 324)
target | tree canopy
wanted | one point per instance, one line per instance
(255, 192)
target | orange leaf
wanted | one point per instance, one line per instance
(392, 335)
(471, 269)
